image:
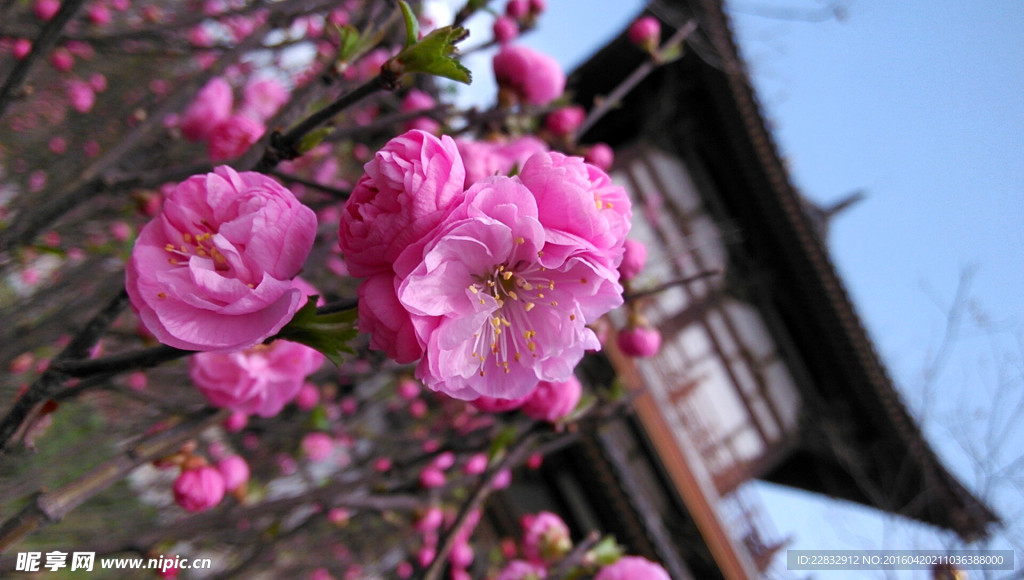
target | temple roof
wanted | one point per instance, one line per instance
(859, 441)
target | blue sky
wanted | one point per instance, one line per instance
(919, 103)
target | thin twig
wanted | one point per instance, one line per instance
(51, 506)
(42, 45)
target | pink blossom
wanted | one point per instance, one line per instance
(461, 555)
(484, 159)
(645, 32)
(98, 82)
(212, 105)
(505, 29)
(234, 470)
(502, 479)
(58, 145)
(522, 570)
(579, 204)
(531, 77)
(563, 122)
(317, 446)
(260, 380)
(553, 401)
(634, 257)
(639, 341)
(545, 537)
(46, 9)
(233, 136)
(199, 489)
(495, 311)
(632, 568)
(600, 155)
(81, 95)
(408, 188)
(213, 270)
(261, 98)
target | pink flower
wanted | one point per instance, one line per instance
(632, 568)
(234, 470)
(213, 104)
(553, 401)
(645, 32)
(545, 537)
(62, 60)
(257, 381)
(564, 121)
(408, 188)
(517, 9)
(476, 464)
(431, 477)
(484, 159)
(430, 520)
(495, 311)
(579, 205)
(639, 341)
(263, 97)
(531, 77)
(634, 257)
(522, 570)
(81, 95)
(213, 270)
(99, 14)
(233, 136)
(199, 489)
(308, 396)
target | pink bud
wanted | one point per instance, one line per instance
(21, 48)
(236, 421)
(234, 470)
(553, 401)
(430, 520)
(534, 461)
(382, 464)
(505, 29)
(645, 32)
(634, 257)
(600, 155)
(639, 341)
(432, 477)
(517, 9)
(502, 479)
(199, 489)
(461, 555)
(476, 464)
(99, 14)
(404, 570)
(58, 145)
(338, 516)
(46, 9)
(444, 461)
(308, 397)
(408, 388)
(565, 121)
(317, 446)
(62, 60)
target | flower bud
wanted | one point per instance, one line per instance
(199, 489)
(639, 341)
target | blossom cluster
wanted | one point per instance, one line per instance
(489, 287)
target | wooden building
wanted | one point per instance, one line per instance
(765, 370)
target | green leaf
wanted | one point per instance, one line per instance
(606, 552)
(412, 26)
(348, 42)
(504, 438)
(318, 418)
(433, 54)
(328, 333)
(313, 138)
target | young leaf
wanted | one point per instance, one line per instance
(327, 333)
(433, 54)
